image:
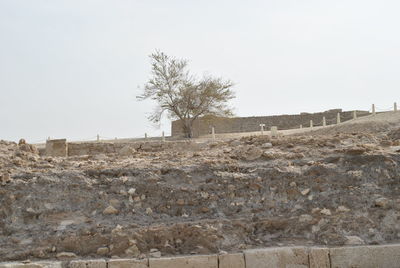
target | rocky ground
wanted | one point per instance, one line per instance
(318, 188)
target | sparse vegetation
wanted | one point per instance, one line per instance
(183, 96)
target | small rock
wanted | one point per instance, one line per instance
(206, 195)
(326, 212)
(315, 210)
(292, 184)
(266, 145)
(102, 251)
(66, 255)
(305, 218)
(149, 211)
(342, 209)
(305, 191)
(204, 209)
(354, 240)
(131, 191)
(382, 202)
(30, 210)
(155, 253)
(110, 210)
(117, 229)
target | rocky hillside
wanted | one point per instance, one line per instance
(316, 189)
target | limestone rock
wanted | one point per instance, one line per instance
(305, 218)
(127, 263)
(354, 240)
(342, 209)
(102, 251)
(131, 191)
(149, 211)
(305, 191)
(66, 255)
(235, 260)
(155, 253)
(206, 261)
(266, 145)
(326, 212)
(382, 202)
(110, 210)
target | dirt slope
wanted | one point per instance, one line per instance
(323, 188)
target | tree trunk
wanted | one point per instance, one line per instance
(188, 128)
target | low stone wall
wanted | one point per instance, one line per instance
(56, 147)
(95, 148)
(387, 256)
(202, 126)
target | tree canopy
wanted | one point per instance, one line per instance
(182, 95)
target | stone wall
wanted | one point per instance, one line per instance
(56, 147)
(387, 256)
(95, 148)
(203, 125)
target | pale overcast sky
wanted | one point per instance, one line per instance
(71, 68)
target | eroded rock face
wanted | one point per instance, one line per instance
(230, 195)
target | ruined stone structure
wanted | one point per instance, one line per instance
(57, 147)
(203, 125)
(62, 148)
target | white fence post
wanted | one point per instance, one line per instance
(324, 121)
(213, 133)
(338, 118)
(354, 114)
(145, 136)
(163, 137)
(301, 126)
(274, 131)
(395, 106)
(311, 124)
(98, 137)
(373, 109)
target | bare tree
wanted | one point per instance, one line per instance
(181, 95)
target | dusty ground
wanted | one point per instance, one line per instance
(333, 186)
